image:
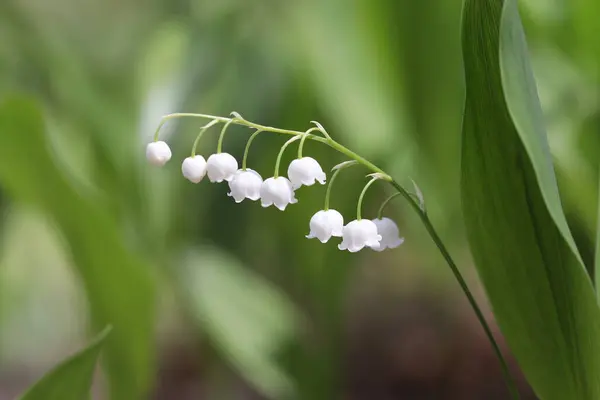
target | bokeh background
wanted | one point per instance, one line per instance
(238, 304)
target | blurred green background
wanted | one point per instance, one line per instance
(216, 300)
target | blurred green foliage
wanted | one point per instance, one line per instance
(384, 77)
(71, 379)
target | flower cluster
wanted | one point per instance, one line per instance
(245, 183)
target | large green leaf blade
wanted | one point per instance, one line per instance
(72, 378)
(119, 287)
(541, 295)
(524, 107)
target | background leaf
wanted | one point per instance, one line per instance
(542, 297)
(71, 379)
(246, 317)
(108, 270)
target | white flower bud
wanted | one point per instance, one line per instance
(277, 191)
(390, 235)
(194, 168)
(304, 171)
(358, 234)
(325, 224)
(158, 153)
(221, 167)
(245, 185)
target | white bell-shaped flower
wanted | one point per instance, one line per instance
(390, 235)
(194, 168)
(358, 234)
(325, 224)
(277, 191)
(158, 153)
(245, 184)
(304, 171)
(221, 167)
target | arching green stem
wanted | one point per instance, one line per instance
(247, 149)
(286, 144)
(329, 185)
(362, 195)
(202, 130)
(304, 137)
(336, 171)
(462, 283)
(385, 203)
(408, 196)
(222, 135)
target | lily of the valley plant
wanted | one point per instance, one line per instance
(244, 183)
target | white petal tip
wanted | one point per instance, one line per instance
(396, 244)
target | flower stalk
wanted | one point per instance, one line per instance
(247, 149)
(336, 171)
(200, 134)
(362, 196)
(378, 174)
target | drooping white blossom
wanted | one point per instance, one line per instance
(358, 234)
(277, 191)
(390, 235)
(194, 168)
(305, 171)
(325, 224)
(158, 153)
(221, 167)
(245, 184)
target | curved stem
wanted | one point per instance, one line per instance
(361, 197)
(329, 185)
(222, 135)
(336, 171)
(385, 203)
(304, 137)
(286, 144)
(202, 130)
(247, 149)
(463, 285)
(323, 131)
(327, 140)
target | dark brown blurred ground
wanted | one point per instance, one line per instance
(417, 351)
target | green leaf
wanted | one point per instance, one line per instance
(246, 317)
(597, 250)
(525, 254)
(119, 287)
(71, 379)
